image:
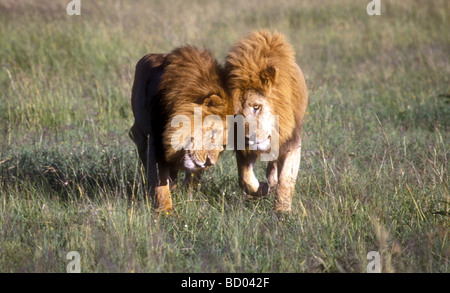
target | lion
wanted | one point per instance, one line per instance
(167, 86)
(264, 81)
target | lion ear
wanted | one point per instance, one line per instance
(269, 75)
(213, 101)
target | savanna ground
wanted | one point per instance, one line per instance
(374, 169)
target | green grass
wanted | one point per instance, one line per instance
(374, 169)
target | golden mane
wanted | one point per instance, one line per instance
(265, 62)
(262, 65)
(191, 77)
(167, 85)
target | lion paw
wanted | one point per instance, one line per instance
(263, 190)
(162, 200)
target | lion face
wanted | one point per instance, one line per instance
(255, 108)
(205, 146)
(197, 136)
(198, 160)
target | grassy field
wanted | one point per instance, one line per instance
(374, 172)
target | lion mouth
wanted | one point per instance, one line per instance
(261, 145)
(192, 164)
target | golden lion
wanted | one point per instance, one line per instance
(166, 87)
(263, 80)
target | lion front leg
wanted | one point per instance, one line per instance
(158, 178)
(272, 174)
(247, 179)
(160, 193)
(289, 166)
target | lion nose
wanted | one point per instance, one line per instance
(208, 162)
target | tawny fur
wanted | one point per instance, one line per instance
(190, 77)
(264, 62)
(288, 96)
(166, 85)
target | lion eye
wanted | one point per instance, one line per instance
(256, 107)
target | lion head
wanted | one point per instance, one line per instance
(195, 135)
(194, 98)
(260, 68)
(267, 85)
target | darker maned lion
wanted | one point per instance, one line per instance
(264, 80)
(167, 85)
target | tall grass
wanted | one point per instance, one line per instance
(374, 169)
